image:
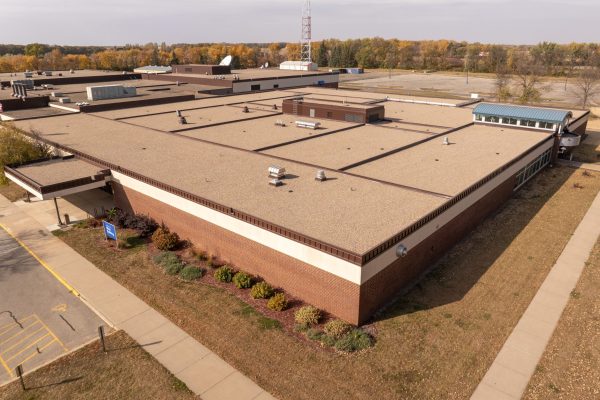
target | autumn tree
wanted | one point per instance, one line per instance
(587, 85)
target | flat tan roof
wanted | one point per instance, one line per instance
(474, 153)
(347, 147)
(262, 132)
(332, 211)
(65, 74)
(200, 117)
(276, 97)
(448, 117)
(58, 170)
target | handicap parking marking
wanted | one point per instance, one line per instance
(23, 340)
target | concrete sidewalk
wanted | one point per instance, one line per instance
(200, 369)
(577, 164)
(514, 365)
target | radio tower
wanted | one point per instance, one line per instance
(305, 46)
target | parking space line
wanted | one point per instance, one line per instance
(53, 335)
(10, 373)
(35, 353)
(4, 351)
(13, 324)
(14, 335)
(28, 346)
(42, 262)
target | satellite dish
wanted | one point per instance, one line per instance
(267, 64)
(226, 61)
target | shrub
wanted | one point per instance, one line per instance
(190, 273)
(165, 239)
(242, 280)
(278, 302)
(314, 334)
(224, 274)
(337, 328)
(262, 290)
(144, 225)
(174, 268)
(165, 257)
(201, 255)
(308, 316)
(355, 340)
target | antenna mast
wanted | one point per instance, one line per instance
(305, 46)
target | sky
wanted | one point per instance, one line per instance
(118, 22)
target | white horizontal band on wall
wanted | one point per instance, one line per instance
(299, 251)
(23, 185)
(375, 266)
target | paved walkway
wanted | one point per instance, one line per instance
(512, 369)
(202, 371)
(577, 164)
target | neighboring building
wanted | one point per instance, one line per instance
(299, 66)
(153, 69)
(398, 193)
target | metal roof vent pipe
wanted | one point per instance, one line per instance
(275, 107)
(446, 142)
(178, 113)
(401, 250)
(246, 110)
(182, 120)
(320, 176)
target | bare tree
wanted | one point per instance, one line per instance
(587, 85)
(528, 79)
(502, 83)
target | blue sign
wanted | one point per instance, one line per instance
(110, 231)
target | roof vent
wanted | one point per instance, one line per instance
(182, 120)
(275, 182)
(276, 171)
(275, 107)
(446, 141)
(246, 110)
(178, 113)
(308, 124)
(279, 122)
(320, 176)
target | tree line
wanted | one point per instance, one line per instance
(514, 65)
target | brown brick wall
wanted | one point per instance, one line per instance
(398, 276)
(317, 287)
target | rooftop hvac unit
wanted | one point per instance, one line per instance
(47, 73)
(308, 124)
(109, 92)
(28, 74)
(275, 182)
(56, 94)
(276, 171)
(279, 122)
(64, 100)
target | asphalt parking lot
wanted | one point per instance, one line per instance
(40, 319)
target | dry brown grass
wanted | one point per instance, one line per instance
(436, 342)
(126, 371)
(570, 366)
(12, 191)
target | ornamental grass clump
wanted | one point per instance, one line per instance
(242, 280)
(308, 316)
(278, 302)
(262, 290)
(224, 274)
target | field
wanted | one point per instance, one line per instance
(125, 371)
(435, 342)
(569, 367)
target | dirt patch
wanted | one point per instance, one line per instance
(436, 342)
(12, 191)
(126, 371)
(570, 366)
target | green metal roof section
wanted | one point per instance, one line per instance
(521, 112)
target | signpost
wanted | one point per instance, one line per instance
(110, 232)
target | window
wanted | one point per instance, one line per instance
(312, 112)
(546, 125)
(532, 168)
(352, 118)
(526, 122)
(478, 117)
(491, 118)
(275, 86)
(254, 87)
(509, 121)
